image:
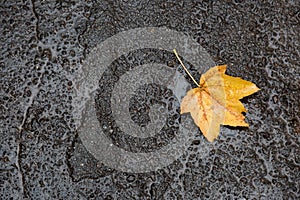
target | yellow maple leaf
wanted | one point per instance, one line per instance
(216, 100)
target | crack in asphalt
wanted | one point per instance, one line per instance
(37, 20)
(18, 165)
(34, 92)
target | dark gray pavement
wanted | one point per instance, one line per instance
(43, 45)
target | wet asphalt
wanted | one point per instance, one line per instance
(43, 47)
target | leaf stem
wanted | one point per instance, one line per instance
(187, 71)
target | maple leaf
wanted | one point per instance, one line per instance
(216, 100)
